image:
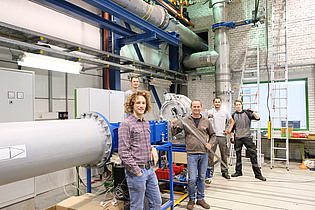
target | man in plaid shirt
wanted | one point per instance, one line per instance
(136, 152)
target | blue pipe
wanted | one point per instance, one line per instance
(232, 24)
(88, 180)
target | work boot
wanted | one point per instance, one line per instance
(260, 177)
(226, 175)
(203, 204)
(236, 174)
(190, 204)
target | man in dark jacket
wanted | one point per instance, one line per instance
(197, 155)
(242, 136)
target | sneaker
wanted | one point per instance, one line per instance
(226, 175)
(203, 204)
(236, 174)
(208, 181)
(261, 178)
(190, 204)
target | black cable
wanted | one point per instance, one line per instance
(81, 181)
(267, 58)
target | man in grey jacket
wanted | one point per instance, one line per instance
(241, 130)
(197, 155)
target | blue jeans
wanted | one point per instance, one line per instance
(197, 165)
(144, 185)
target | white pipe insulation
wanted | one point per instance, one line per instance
(159, 17)
(29, 149)
(201, 59)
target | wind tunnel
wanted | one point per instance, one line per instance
(29, 149)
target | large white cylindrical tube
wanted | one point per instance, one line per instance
(29, 149)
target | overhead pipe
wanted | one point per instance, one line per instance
(177, 13)
(222, 47)
(29, 149)
(105, 47)
(200, 59)
(159, 17)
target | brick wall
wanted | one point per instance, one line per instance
(201, 88)
(301, 49)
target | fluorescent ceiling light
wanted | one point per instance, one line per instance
(160, 82)
(49, 63)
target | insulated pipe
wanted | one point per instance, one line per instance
(222, 46)
(200, 59)
(159, 17)
(29, 149)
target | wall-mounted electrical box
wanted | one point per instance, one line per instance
(16, 95)
(109, 103)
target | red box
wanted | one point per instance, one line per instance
(177, 169)
(162, 173)
(295, 135)
(302, 135)
(165, 173)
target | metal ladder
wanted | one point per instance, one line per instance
(249, 93)
(279, 81)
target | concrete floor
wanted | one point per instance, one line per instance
(292, 190)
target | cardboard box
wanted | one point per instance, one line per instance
(311, 136)
(283, 132)
(87, 202)
(180, 157)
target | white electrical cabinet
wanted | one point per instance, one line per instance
(109, 103)
(16, 105)
(17, 95)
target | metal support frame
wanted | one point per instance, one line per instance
(113, 9)
(156, 96)
(135, 45)
(167, 146)
(152, 34)
(95, 59)
(125, 15)
(84, 15)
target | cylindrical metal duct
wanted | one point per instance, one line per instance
(29, 149)
(222, 46)
(159, 17)
(188, 37)
(154, 14)
(200, 59)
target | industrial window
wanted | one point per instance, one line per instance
(297, 104)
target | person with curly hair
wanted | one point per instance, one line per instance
(137, 153)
